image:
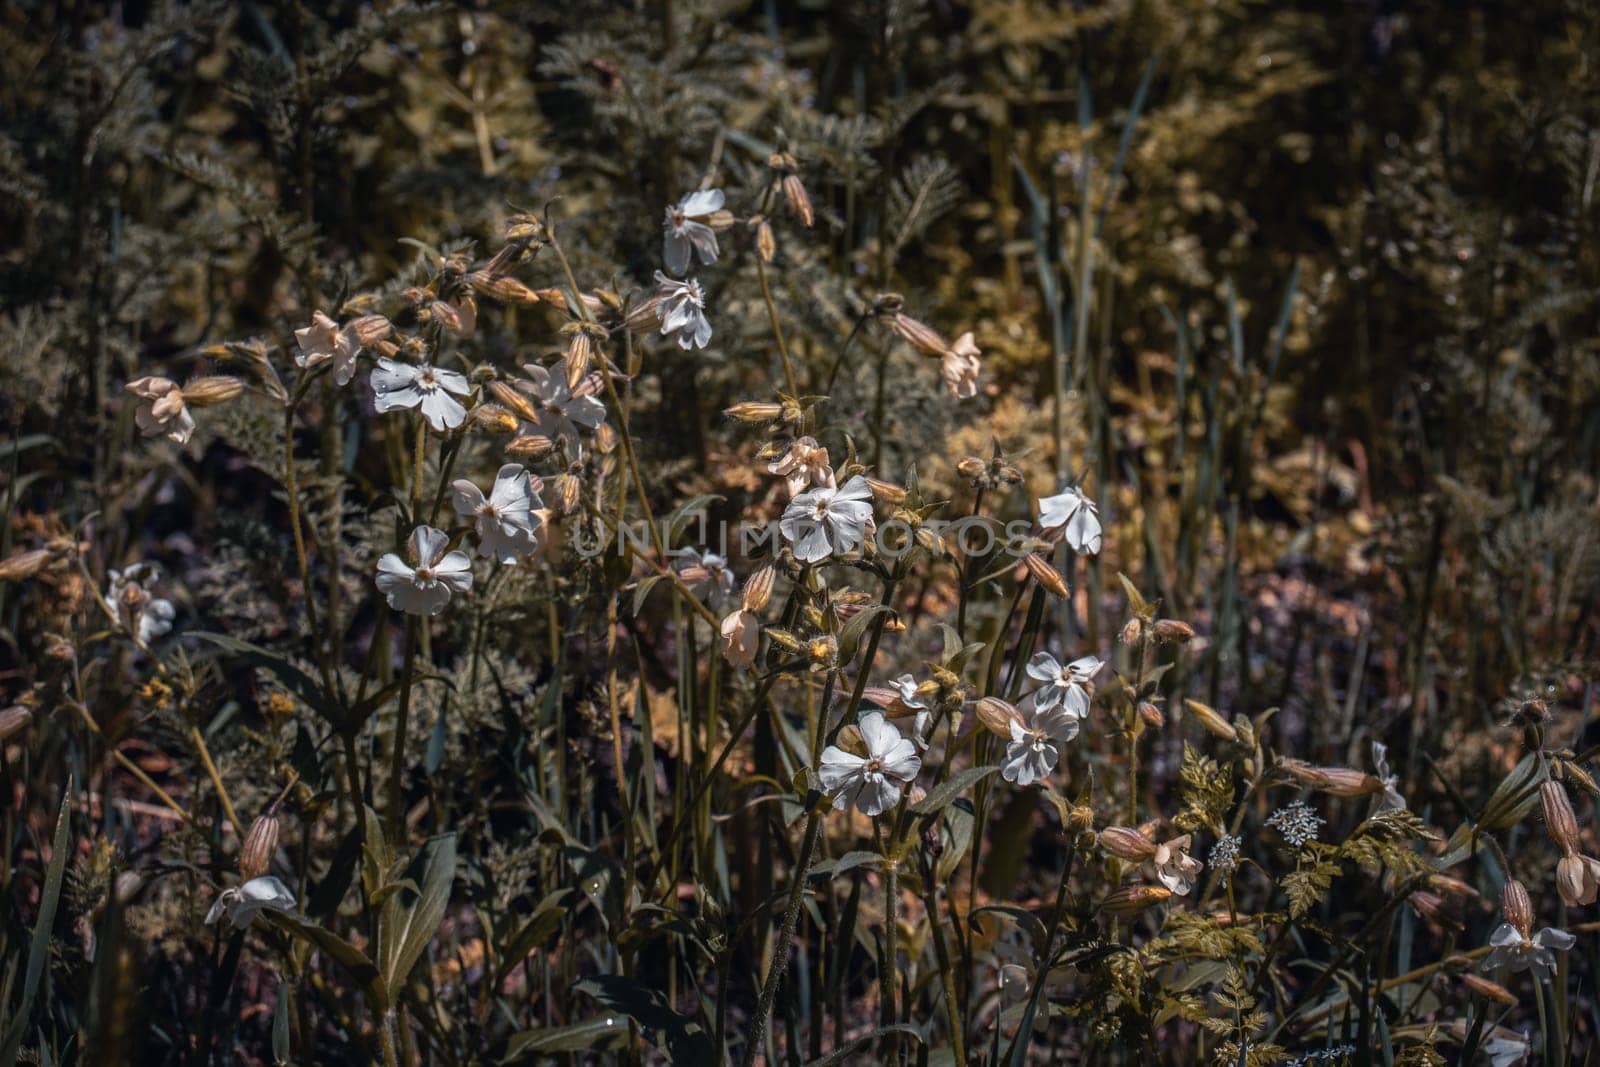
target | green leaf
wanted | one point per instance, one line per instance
(1030, 923)
(850, 1048)
(848, 862)
(951, 788)
(39, 945)
(850, 636)
(288, 675)
(641, 592)
(545, 920)
(336, 948)
(406, 929)
(578, 1037)
(679, 1036)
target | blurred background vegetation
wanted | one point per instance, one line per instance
(1333, 379)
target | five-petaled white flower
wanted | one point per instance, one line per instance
(828, 520)
(1175, 868)
(129, 597)
(1063, 685)
(506, 520)
(1038, 731)
(410, 385)
(1515, 949)
(243, 903)
(872, 782)
(424, 588)
(561, 410)
(322, 341)
(682, 308)
(684, 229)
(1076, 516)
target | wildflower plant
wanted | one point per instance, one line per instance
(637, 534)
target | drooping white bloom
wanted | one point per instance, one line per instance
(706, 572)
(827, 520)
(1076, 516)
(1175, 868)
(1514, 949)
(905, 688)
(805, 464)
(1063, 685)
(739, 637)
(682, 308)
(241, 904)
(959, 367)
(1508, 1049)
(561, 411)
(423, 586)
(871, 782)
(161, 409)
(130, 600)
(1391, 799)
(1037, 733)
(684, 229)
(409, 385)
(507, 520)
(324, 340)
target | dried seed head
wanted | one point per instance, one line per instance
(1047, 576)
(823, 651)
(1559, 820)
(494, 418)
(1517, 907)
(530, 446)
(997, 716)
(755, 411)
(1131, 900)
(799, 201)
(13, 719)
(582, 339)
(1132, 630)
(24, 564)
(260, 844)
(1126, 843)
(210, 390)
(1172, 630)
(919, 335)
(501, 287)
(758, 588)
(766, 243)
(447, 316)
(1215, 724)
(1482, 987)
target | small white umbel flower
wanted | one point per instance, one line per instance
(1063, 685)
(682, 309)
(828, 520)
(243, 903)
(507, 520)
(411, 385)
(1076, 516)
(424, 587)
(684, 230)
(1037, 733)
(871, 782)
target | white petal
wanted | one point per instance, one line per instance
(838, 768)
(465, 497)
(675, 250)
(702, 202)
(427, 544)
(1043, 667)
(877, 795)
(442, 410)
(452, 380)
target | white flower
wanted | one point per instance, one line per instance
(1037, 734)
(706, 571)
(871, 782)
(424, 589)
(324, 340)
(1063, 685)
(408, 385)
(826, 520)
(1391, 799)
(1507, 1049)
(1225, 855)
(161, 409)
(242, 904)
(684, 230)
(805, 464)
(739, 637)
(1076, 516)
(1297, 823)
(560, 410)
(905, 689)
(128, 595)
(507, 523)
(959, 367)
(682, 308)
(1515, 949)
(1175, 868)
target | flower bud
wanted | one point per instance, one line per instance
(515, 400)
(755, 411)
(1577, 879)
(1581, 778)
(1215, 724)
(369, 329)
(1151, 715)
(997, 715)
(1131, 900)
(721, 221)
(13, 719)
(1172, 630)
(799, 201)
(1517, 907)
(1559, 820)
(766, 243)
(531, 446)
(918, 334)
(212, 389)
(1047, 576)
(24, 564)
(1485, 988)
(972, 468)
(564, 490)
(758, 588)
(1125, 842)
(260, 844)
(494, 418)
(888, 492)
(501, 287)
